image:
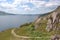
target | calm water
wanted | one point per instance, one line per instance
(10, 21)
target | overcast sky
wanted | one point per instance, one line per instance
(28, 6)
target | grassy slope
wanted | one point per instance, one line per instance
(5, 35)
(28, 30)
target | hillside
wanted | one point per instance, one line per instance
(56, 10)
(45, 27)
(47, 15)
(5, 13)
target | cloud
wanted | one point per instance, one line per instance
(51, 4)
(24, 6)
(38, 3)
(2, 0)
(6, 5)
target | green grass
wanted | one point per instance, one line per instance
(5, 35)
(29, 31)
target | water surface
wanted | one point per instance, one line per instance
(11, 21)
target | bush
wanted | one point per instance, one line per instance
(26, 24)
(30, 27)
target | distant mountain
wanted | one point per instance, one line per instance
(5, 13)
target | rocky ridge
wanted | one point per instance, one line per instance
(52, 21)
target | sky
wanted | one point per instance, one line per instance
(28, 6)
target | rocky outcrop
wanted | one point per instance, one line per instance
(55, 37)
(37, 23)
(49, 24)
(53, 21)
(48, 16)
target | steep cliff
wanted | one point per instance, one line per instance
(52, 22)
(46, 17)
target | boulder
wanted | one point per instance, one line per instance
(55, 37)
(49, 25)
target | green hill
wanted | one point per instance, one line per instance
(28, 31)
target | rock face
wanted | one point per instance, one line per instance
(37, 23)
(53, 21)
(56, 37)
(49, 24)
(53, 18)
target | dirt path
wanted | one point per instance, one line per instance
(14, 34)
